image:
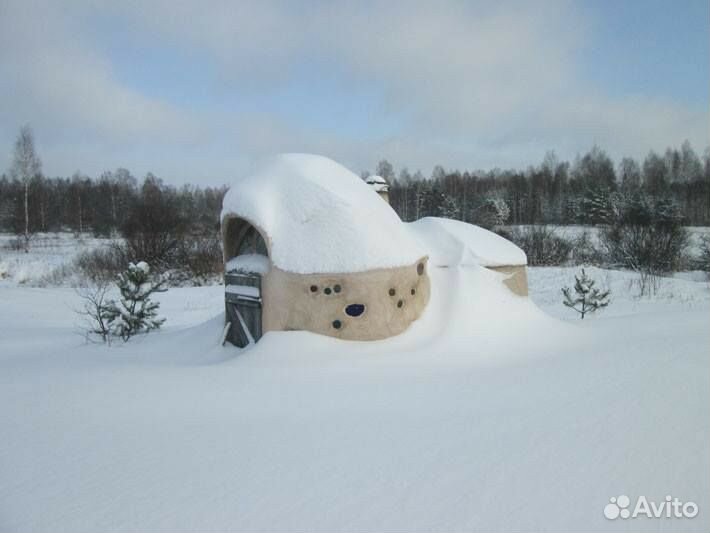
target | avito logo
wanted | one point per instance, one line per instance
(620, 507)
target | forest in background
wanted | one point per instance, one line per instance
(554, 192)
(640, 207)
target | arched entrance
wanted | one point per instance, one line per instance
(246, 260)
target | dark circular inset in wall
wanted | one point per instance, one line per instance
(337, 324)
(420, 268)
(327, 290)
(414, 291)
(314, 288)
(392, 292)
(355, 309)
(400, 303)
(336, 288)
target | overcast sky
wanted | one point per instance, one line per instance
(195, 91)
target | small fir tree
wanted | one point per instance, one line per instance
(588, 298)
(135, 312)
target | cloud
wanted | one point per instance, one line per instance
(448, 64)
(57, 78)
(467, 83)
(482, 73)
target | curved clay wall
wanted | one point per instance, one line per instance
(517, 279)
(391, 299)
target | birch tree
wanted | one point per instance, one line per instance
(26, 165)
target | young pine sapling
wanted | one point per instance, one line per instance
(135, 312)
(587, 298)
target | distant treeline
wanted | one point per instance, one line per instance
(108, 205)
(555, 192)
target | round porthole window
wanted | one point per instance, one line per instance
(327, 290)
(392, 292)
(355, 309)
(400, 303)
(337, 288)
(337, 324)
(314, 288)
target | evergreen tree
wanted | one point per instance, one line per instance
(492, 212)
(135, 312)
(449, 208)
(432, 201)
(588, 298)
(595, 206)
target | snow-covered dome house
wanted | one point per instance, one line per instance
(308, 245)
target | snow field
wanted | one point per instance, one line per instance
(48, 253)
(487, 414)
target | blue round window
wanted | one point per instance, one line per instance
(355, 309)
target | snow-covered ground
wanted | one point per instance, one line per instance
(48, 254)
(573, 232)
(488, 414)
(687, 291)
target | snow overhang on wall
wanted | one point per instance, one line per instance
(319, 217)
(452, 242)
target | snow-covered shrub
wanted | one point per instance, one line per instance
(135, 312)
(94, 312)
(542, 245)
(646, 235)
(15, 244)
(200, 260)
(703, 261)
(64, 274)
(585, 252)
(587, 298)
(196, 260)
(102, 264)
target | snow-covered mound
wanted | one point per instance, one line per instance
(318, 217)
(452, 242)
(485, 415)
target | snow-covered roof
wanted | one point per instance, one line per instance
(452, 242)
(318, 217)
(378, 183)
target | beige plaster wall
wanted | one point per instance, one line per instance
(289, 303)
(517, 278)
